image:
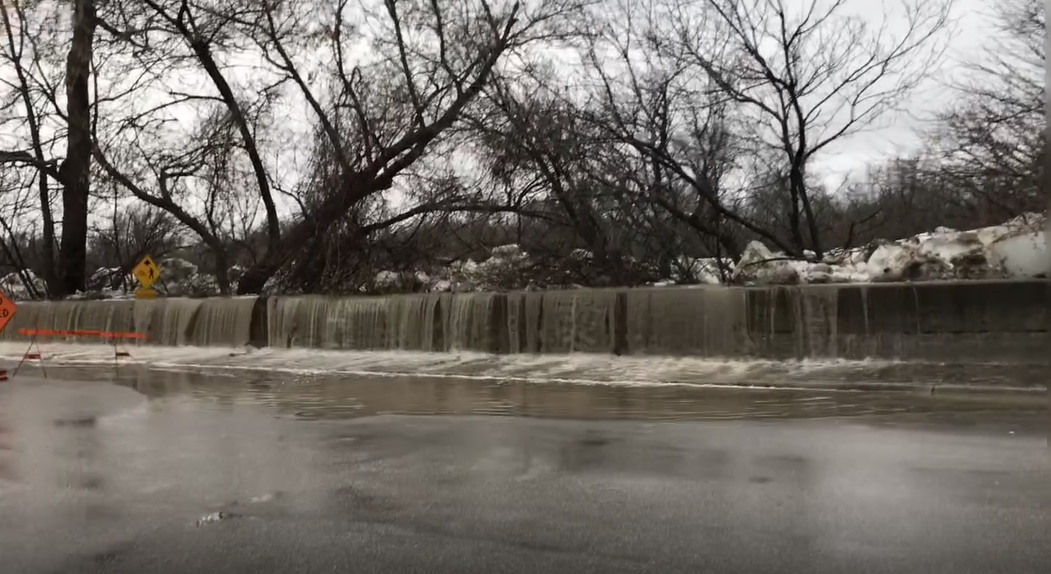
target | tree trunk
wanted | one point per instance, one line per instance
(800, 193)
(75, 171)
(221, 269)
(299, 235)
(50, 272)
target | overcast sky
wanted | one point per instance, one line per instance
(973, 23)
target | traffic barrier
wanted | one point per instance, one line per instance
(33, 334)
(80, 333)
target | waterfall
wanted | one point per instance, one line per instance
(293, 321)
(816, 316)
(964, 320)
(468, 322)
(704, 321)
(172, 321)
(222, 322)
(166, 321)
(71, 315)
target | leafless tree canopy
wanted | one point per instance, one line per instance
(307, 145)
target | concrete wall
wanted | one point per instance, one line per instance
(955, 322)
(991, 321)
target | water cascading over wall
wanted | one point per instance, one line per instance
(552, 322)
(960, 321)
(702, 322)
(172, 321)
(72, 315)
(221, 322)
(314, 321)
(425, 322)
(580, 321)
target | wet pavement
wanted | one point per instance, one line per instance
(144, 471)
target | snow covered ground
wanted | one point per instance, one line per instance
(1015, 249)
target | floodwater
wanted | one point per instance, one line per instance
(579, 368)
(133, 470)
(342, 396)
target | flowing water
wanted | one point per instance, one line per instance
(334, 396)
(817, 322)
(565, 368)
(175, 321)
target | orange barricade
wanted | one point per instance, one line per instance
(114, 336)
(81, 333)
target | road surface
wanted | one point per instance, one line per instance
(163, 473)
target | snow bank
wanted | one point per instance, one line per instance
(14, 286)
(1016, 249)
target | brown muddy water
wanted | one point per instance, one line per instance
(315, 397)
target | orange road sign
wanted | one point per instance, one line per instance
(147, 272)
(7, 310)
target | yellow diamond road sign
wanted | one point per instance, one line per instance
(146, 272)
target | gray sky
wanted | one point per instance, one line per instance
(973, 26)
(851, 156)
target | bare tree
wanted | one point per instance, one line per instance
(539, 148)
(679, 147)
(16, 208)
(73, 171)
(809, 74)
(431, 62)
(21, 57)
(379, 111)
(121, 241)
(993, 141)
(203, 185)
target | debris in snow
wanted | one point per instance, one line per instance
(14, 286)
(1015, 249)
(216, 517)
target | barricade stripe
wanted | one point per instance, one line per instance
(80, 333)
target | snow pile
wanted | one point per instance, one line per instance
(1016, 249)
(506, 264)
(404, 282)
(109, 278)
(14, 285)
(182, 278)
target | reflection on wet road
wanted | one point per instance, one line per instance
(332, 397)
(170, 472)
